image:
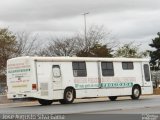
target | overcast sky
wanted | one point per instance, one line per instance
(129, 20)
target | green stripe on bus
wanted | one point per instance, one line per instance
(105, 85)
(19, 70)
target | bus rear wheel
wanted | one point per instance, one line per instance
(45, 102)
(136, 92)
(68, 96)
(112, 98)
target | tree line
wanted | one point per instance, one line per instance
(97, 43)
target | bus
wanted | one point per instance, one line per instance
(64, 79)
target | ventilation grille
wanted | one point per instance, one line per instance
(44, 89)
(44, 86)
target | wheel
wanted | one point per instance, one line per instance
(62, 101)
(136, 92)
(68, 96)
(112, 98)
(45, 102)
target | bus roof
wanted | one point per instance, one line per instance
(91, 59)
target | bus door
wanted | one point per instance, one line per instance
(57, 77)
(146, 75)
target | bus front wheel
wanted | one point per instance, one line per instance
(136, 92)
(45, 102)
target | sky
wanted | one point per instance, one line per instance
(128, 20)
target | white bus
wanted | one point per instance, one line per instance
(63, 79)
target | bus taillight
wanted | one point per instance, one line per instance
(34, 87)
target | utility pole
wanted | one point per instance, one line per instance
(85, 26)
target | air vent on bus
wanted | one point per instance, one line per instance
(44, 86)
(44, 89)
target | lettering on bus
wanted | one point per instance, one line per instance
(17, 65)
(104, 85)
(18, 70)
(109, 82)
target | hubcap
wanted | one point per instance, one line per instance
(136, 92)
(69, 95)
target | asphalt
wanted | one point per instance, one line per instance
(88, 106)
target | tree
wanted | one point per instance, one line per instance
(78, 45)
(13, 45)
(130, 50)
(60, 47)
(27, 44)
(95, 35)
(98, 50)
(7, 48)
(155, 55)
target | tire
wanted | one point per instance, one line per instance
(62, 101)
(112, 98)
(136, 92)
(45, 102)
(68, 96)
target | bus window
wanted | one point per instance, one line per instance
(127, 65)
(146, 72)
(107, 68)
(79, 69)
(56, 71)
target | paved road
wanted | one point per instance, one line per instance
(146, 104)
(143, 110)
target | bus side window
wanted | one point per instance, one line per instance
(146, 72)
(56, 71)
(107, 68)
(127, 65)
(79, 69)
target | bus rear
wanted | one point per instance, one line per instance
(20, 81)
